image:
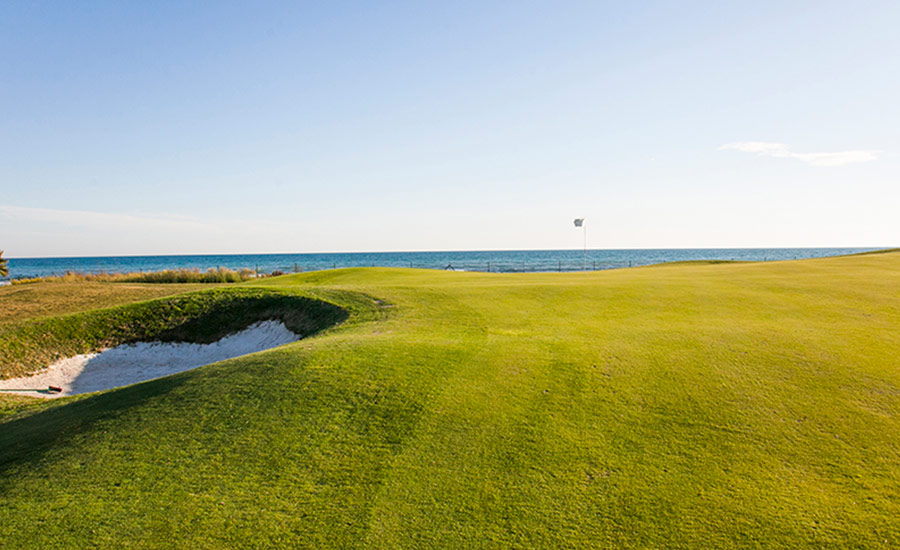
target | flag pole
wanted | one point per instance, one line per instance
(579, 222)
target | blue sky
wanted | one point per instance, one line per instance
(215, 127)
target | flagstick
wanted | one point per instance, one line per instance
(579, 222)
(584, 255)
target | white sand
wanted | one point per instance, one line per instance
(132, 363)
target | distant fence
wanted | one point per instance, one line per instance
(535, 263)
(483, 266)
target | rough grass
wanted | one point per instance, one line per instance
(23, 302)
(693, 406)
(168, 276)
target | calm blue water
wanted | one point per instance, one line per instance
(501, 260)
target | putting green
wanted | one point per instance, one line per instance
(682, 406)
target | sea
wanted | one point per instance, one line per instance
(481, 260)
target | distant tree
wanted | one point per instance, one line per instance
(4, 270)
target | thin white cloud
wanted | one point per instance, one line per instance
(781, 150)
(27, 231)
(99, 220)
(134, 222)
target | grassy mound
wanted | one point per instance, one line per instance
(200, 317)
(21, 303)
(727, 406)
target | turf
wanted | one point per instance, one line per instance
(34, 300)
(683, 406)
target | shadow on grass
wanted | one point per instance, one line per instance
(28, 439)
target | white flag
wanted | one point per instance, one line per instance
(579, 222)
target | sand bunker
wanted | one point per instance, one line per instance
(132, 363)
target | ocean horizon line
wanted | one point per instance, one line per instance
(444, 251)
(538, 260)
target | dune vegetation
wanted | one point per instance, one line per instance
(165, 276)
(734, 405)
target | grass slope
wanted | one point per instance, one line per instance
(199, 317)
(29, 301)
(691, 406)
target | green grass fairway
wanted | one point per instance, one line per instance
(677, 406)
